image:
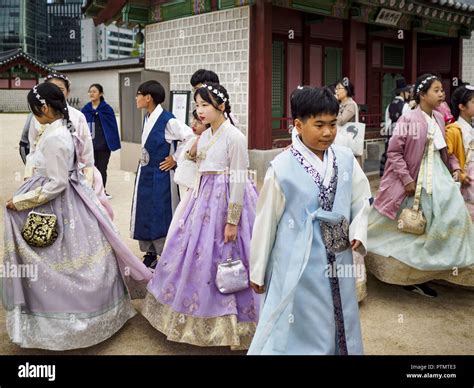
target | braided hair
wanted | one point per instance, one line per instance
(49, 94)
(215, 94)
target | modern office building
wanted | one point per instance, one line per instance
(23, 24)
(64, 26)
(105, 42)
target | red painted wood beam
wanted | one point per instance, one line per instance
(110, 11)
(349, 51)
(456, 59)
(260, 77)
(411, 62)
(306, 53)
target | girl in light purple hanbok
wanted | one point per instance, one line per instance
(183, 301)
(75, 295)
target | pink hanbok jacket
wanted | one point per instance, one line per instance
(404, 155)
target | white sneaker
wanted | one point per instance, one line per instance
(422, 289)
(108, 195)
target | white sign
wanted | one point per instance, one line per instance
(180, 105)
(389, 17)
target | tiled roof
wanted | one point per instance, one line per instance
(10, 55)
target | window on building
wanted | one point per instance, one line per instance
(119, 52)
(120, 43)
(332, 65)
(393, 56)
(278, 71)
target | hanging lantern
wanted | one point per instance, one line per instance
(139, 37)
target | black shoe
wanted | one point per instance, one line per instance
(422, 289)
(154, 263)
(150, 260)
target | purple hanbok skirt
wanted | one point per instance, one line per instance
(183, 301)
(72, 294)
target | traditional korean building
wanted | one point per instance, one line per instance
(19, 72)
(263, 49)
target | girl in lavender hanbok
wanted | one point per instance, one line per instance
(419, 165)
(460, 141)
(311, 216)
(79, 296)
(183, 301)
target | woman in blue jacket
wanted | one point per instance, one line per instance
(105, 136)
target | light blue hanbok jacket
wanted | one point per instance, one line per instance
(298, 312)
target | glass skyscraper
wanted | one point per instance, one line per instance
(64, 21)
(24, 24)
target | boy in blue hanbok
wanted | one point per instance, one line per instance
(156, 195)
(312, 211)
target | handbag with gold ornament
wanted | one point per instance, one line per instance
(40, 229)
(413, 220)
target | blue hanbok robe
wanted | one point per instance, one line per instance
(156, 195)
(288, 256)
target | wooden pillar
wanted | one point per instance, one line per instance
(260, 77)
(456, 58)
(349, 53)
(306, 54)
(411, 56)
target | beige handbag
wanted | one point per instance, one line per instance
(413, 220)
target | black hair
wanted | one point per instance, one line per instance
(460, 83)
(309, 102)
(423, 84)
(202, 76)
(461, 95)
(347, 85)
(99, 88)
(332, 88)
(49, 94)
(195, 115)
(206, 91)
(154, 89)
(60, 77)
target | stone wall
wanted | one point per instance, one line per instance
(217, 41)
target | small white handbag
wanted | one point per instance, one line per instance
(352, 135)
(231, 276)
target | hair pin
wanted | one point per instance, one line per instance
(37, 95)
(423, 83)
(215, 91)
